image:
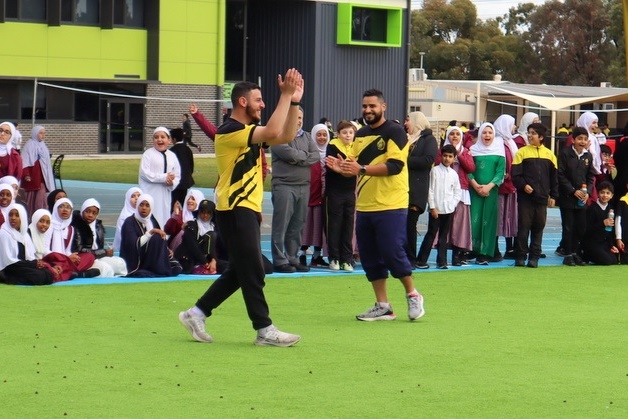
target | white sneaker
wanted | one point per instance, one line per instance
(415, 306)
(275, 337)
(346, 267)
(196, 326)
(334, 265)
(376, 313)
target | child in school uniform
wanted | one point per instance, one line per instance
(180, 216)
(621, 228)
(130, 201)
(599, 247)
(18, 262)
(443, 196)
(39, 230)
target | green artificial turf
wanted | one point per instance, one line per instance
(496, 343)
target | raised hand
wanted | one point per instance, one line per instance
(290, 82)
(193, 109)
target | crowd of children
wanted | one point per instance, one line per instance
(499, 184)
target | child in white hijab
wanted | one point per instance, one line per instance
(130, 201)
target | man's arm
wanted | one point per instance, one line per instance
(207, 127)
(282, 125)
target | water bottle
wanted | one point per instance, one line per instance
(583, 190)
(611, 215)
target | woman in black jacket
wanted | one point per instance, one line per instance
(421, 156)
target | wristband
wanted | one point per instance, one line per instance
(295, 103)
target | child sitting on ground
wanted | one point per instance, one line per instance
(599, 247)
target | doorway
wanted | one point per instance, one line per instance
(122, 126)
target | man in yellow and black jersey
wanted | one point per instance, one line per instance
(239, 196)
(378, 158)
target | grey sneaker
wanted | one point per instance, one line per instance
(196, 326)
(415, 306)
(346, 267)
(376, 313)
(275, 337)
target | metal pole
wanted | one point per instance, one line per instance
(34, 102)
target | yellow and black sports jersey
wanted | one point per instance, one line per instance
(386, 144)
(240, 182)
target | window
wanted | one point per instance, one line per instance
(9, 95)
(364, 25)
(80, 11)
(128, 13)
(26, 10)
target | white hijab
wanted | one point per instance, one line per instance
(146, 222)
(126, 212)
(459, 147)
(8, 256)
(503, 129)
(526, 120)
(322, 149)
(495, 148)
(60, 229)
(6, 148)
(585, 121)
(91, 202)
(41, 241)
(5, 210)
(11, 180)
(198, 196)
(36, 150)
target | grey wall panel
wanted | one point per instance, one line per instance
(302, 34)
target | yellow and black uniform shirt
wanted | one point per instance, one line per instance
(240, 182)
(386, 144)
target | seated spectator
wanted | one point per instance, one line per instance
(599, 247)
(39, 230)
(144, 245)
(174, 225)
(64, 245)
(130, 201)
(18, 262)
(197, 251)
(90, 235)
(6, 199)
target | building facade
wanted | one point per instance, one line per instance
(100, 75)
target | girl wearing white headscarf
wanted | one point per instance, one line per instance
(10, 159)
(174, 226)
(160, 174)
(6, 199)
(130, 201)
(423, 148)
(39, 230)
(91, 239)
(313, 230)
(64, 245)
(460, 231)
(38, 178)
(490, 165)
(521, 138)
(588, 121)
(17, 253)
(507, 224)
(144, 245)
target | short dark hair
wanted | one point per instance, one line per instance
(449, 149)
(186, 115)
(605, 184)
(176, 134)
(538, 128)
(374, 92)
(242, 89)
(579, 131)
(605, 149)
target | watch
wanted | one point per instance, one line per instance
(362, 170)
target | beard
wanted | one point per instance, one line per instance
(252, 114)
(372, 119)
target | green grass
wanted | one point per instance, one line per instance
(494, 343)
(126, 171)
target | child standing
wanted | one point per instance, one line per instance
(160, 174)
(575, 170)
(534, 174)
(340, 202)
(442, 197)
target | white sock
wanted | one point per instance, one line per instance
(383, 305)
(264, 330)
(197, 312)
(415, 292)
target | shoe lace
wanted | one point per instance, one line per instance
(414, 302)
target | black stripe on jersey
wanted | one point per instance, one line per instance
(372, 151)
(246, 162)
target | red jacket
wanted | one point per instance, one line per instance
(207, 127)
(466, 166)
(11, 165)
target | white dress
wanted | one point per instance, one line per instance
(152, 180)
